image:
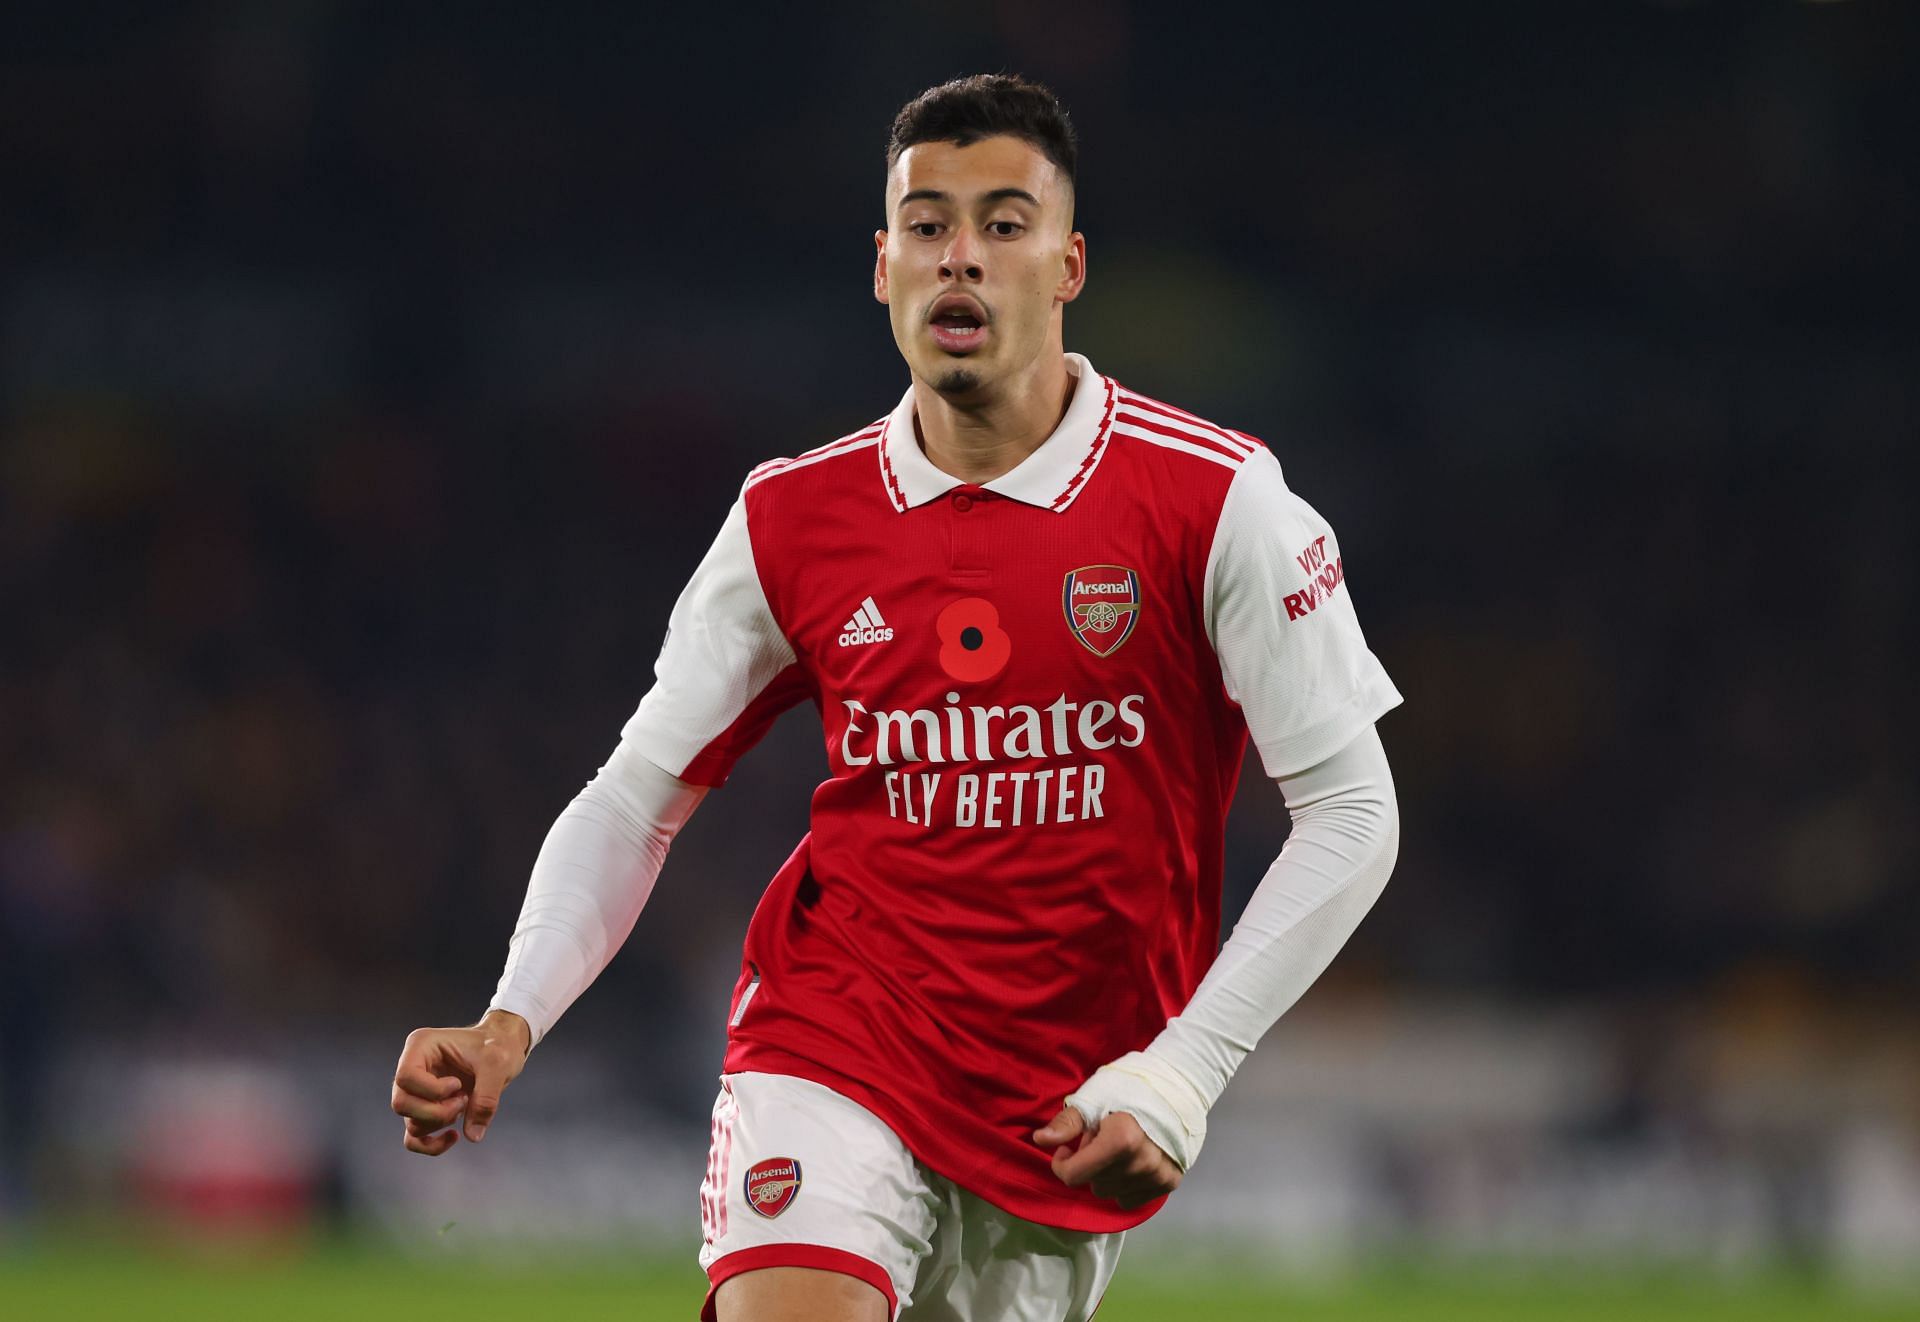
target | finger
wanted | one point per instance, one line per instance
(1063, 1128)
(433, 1145)
(489, 1079)
(440, 1114)
(1117, 1182)
(1132, 1190)
(1093, 1157)
(424, 1128)
(422, 1082)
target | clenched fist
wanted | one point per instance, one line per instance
(445, 1072)
(1117, 1159)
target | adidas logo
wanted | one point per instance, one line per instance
(866, 626)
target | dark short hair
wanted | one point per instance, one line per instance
(987, 105)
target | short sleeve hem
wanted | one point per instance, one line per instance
(1320, 741)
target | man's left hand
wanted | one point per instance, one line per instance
(1118, 1159)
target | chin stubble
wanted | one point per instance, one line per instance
(958, 381)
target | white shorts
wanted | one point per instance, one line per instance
(799, 1176)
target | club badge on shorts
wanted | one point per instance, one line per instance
(1102, 603)
(771, 1185)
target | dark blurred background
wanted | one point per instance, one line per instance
(372, 378)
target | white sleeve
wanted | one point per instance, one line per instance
(1346, 835)
(589, 883)
(1281, 620)
(725, 671)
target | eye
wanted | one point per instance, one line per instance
(926, 229)
(1004, 229)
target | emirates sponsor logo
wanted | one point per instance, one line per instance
(1023, 795)
(972, 733)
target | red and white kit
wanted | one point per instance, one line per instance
(1036, 694)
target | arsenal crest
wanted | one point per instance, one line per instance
(1102, 604)
(771, 1185)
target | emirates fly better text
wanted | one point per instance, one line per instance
(1021, 733)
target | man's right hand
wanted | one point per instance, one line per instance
(445, 1072)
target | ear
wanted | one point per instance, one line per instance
(1074, 274)
(880, 266)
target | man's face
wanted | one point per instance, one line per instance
(978, 257)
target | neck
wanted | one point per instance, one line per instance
(977, 440)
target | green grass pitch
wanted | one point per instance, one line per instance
(70, 1280)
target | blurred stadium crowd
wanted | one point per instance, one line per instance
(369, 386)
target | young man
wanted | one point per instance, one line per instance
(1039, 614)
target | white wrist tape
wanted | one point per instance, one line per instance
(1170, 1110)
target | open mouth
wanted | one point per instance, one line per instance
(958, 326)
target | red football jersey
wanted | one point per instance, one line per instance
(1035, 694)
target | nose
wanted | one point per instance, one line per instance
(961, 261)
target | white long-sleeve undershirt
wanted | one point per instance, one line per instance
(592, 877)
(1346, 835)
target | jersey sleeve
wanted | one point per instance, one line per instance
(1282, 623)
(725, 671)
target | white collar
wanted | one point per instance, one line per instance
(1051, 477)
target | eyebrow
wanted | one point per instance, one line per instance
(996, 195)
